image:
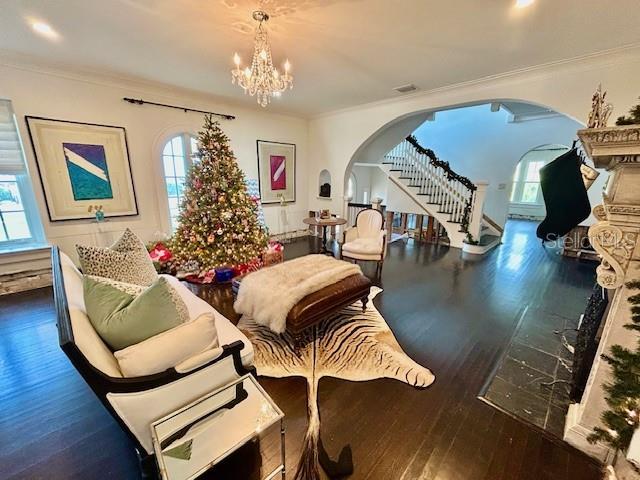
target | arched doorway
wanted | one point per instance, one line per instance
(482, 141)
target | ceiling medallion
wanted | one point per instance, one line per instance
(262, 79)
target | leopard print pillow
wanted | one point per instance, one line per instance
(126, 261)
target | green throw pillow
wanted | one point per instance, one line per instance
(125, 314)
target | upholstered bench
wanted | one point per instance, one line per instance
(326, 301)
(318, 305)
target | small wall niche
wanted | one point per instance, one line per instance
(324, 184)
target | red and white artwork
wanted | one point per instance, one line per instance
(276, 172)
(278, 165)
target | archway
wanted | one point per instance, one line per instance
(497, 132)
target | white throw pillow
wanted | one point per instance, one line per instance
(168, 349)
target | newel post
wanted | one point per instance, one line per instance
(477, 210)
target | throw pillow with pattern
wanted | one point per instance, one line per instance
(127, 260)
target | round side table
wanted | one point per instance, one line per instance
(325, 223)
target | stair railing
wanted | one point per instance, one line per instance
(434, 178)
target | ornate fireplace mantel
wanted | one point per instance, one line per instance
(615, 236)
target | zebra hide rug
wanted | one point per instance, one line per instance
(351, 345)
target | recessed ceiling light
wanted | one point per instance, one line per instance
(44, 29)
(524, 3)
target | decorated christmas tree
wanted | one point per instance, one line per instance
(218, 222)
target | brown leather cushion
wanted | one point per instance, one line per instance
(318, 305)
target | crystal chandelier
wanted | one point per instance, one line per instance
(262, 78)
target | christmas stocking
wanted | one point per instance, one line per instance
(565, 196)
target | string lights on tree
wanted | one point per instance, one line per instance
(219, 225)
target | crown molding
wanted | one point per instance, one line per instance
(19, 61)
(586, 62)
(130, 83)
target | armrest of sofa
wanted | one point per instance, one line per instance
(138, 408)
(199, 360)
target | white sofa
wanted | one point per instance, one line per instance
(136, 402)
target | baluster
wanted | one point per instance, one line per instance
(427, 178)
(445, 196)
(432, 179)
(434, 187)
(413, 169)
(447, 187)
(405, 157)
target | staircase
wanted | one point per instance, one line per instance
(453, 200)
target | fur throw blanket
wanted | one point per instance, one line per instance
(267, 295)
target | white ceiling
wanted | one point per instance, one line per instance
(343, 52)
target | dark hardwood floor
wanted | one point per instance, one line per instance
(453, 316)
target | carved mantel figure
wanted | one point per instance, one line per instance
(615, 235)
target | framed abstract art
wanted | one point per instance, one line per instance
(82, 165)
(277, 171)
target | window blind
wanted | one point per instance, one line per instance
(11, 159)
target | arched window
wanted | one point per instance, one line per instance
(526, 180)
(177, 158)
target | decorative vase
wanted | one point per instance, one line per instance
(99, 216)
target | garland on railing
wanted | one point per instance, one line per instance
(435, 161)
(451, 175)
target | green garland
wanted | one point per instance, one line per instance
(623, 393)
(632, 119)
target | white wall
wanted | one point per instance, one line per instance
(379, 184)
(566, 87)
(370, 177)
(363, 183)
(484, 146)
(398, 201)
(42, 91)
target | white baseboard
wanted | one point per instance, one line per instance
(278, 237)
